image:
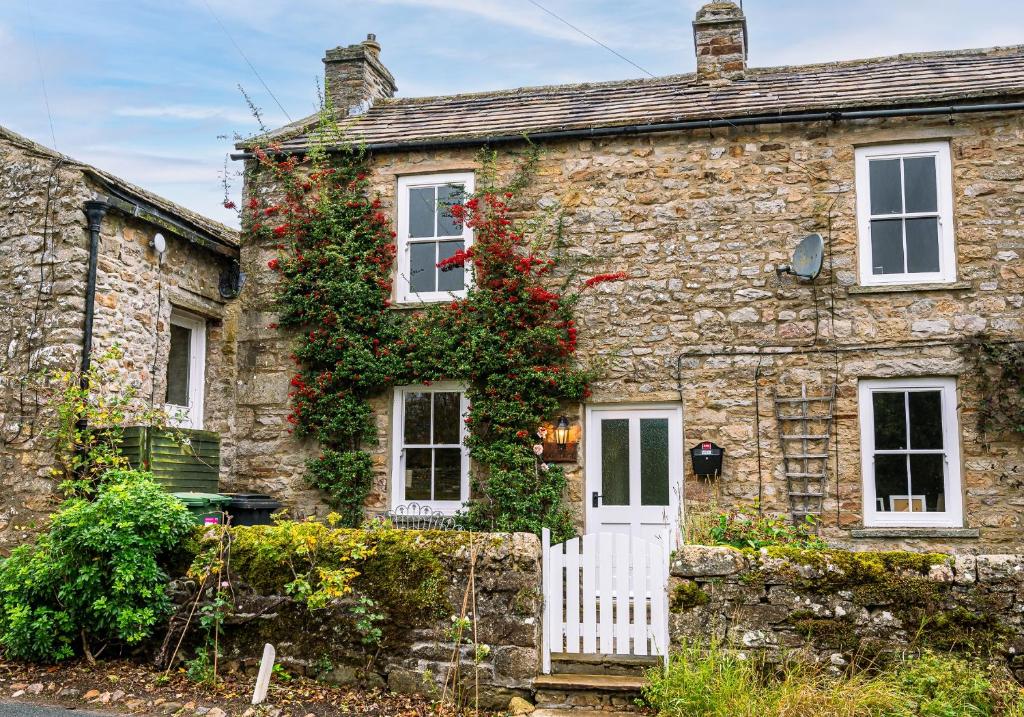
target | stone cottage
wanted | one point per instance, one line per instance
(88, 260)
(837, 393)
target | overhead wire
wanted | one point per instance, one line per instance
(42, 80)
(647, 72)
(247, 61)
(590, 37)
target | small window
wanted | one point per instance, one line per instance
(186, 370)
(905, 214)
(427, 234)
(431, 465)
(910, 453)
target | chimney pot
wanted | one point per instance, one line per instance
(354, 77)
(720, 42)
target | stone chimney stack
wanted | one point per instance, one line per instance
(720, 39)
(354, 77)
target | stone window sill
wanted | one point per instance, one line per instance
(915, 533)
(900, 288)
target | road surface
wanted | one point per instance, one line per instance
(24, 709)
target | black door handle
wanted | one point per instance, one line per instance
(594, 497)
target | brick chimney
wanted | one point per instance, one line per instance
(354, 77)
(720, 39)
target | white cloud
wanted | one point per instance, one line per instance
(518, 14)
(184, 112)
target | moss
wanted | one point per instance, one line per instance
(874, 577)
(752, 579)
(828, 632)
(687, 595)
(973, 627)
(898, 580)
(524, 601)
(404, 571)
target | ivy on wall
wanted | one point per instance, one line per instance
(511, 340)
(998, 367)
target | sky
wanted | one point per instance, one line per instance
(149, 89)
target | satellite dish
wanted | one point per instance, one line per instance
(159, 243)
(807, 258)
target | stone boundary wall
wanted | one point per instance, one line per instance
(836, 606)
(417, 651)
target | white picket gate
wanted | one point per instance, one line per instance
(605, 593)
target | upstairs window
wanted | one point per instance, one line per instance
(910, 453)
(905, 214)
(186, 370)
(431, 464)
(427, 234)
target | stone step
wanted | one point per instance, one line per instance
(598, 664)
(604, 693)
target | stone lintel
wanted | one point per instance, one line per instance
(915, 533)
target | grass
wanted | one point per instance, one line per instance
(700, 517)
(717, 682)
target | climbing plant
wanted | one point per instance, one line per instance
(998, 367)
(511, 339)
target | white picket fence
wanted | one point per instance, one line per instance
(605, 593)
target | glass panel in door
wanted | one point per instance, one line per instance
(615, 461)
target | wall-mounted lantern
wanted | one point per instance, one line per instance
(562, 432)
(559, 446)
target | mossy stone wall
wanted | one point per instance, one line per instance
(417, 580)
(837, 606)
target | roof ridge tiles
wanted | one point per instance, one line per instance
(908, 79)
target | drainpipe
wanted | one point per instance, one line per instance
(95, 210)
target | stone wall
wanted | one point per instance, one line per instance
(42, 288)
(418, 649)
(700, 221)
(838, 606)
(43, 271)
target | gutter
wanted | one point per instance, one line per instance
(660, 127)
(131, 206)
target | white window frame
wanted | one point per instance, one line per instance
(405, 183)
(944, 205)
(190, 416)
(398, 446)
(952, 517)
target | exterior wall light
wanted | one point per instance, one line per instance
(562, 433)
(560, 442)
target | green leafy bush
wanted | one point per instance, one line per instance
(717, 682)
(747, 529)
(96, 576)
(346, 477)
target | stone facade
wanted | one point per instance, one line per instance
(417, 650)
(43, 270)
(834, 607)
(701, 220)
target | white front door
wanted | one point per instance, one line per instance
(634, 470)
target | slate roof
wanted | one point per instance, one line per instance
(904, 80)
(190, 221)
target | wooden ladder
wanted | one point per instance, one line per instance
(805, 428)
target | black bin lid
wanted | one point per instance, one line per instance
(252, 500)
